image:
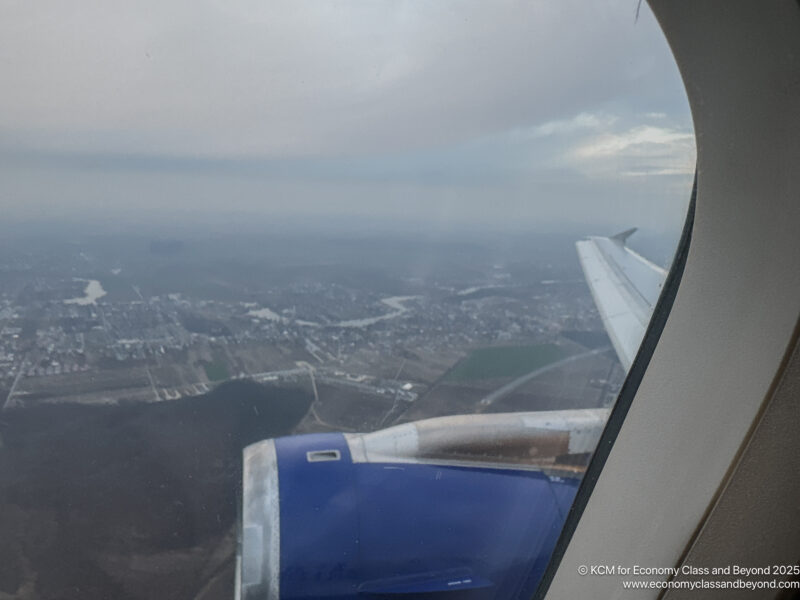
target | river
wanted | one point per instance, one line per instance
(396, 303)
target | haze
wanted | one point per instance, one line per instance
(519, 115)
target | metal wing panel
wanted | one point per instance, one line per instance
(625, 287)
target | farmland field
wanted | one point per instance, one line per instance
(505, 361)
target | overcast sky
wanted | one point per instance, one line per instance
(509, 113)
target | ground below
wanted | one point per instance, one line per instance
(129, 502)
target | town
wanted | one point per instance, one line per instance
(91, 333)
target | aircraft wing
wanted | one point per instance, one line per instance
(625, 287)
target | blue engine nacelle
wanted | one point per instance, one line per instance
(457, 507)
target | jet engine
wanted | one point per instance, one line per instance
(452, 507)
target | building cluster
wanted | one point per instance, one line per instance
(43, 331)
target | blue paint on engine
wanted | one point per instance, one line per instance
(373, 530)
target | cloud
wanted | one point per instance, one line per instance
(579, 122)
(344, 104)
(643, 150)
(288, 77)
(641, 140)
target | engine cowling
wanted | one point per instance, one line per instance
(467, 507)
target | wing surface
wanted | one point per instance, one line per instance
(625, 287)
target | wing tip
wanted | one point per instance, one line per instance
(623, 236)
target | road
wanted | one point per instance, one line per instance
(313, 409)
(7, 403)
(152, 383)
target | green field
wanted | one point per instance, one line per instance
(504, 361)
(216, 371)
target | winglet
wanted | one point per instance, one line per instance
(622, 236)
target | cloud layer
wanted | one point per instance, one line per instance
(555, 111)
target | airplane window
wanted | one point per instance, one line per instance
(320, 299)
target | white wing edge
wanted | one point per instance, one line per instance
(625, 287)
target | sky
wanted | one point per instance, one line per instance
(502, 114)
